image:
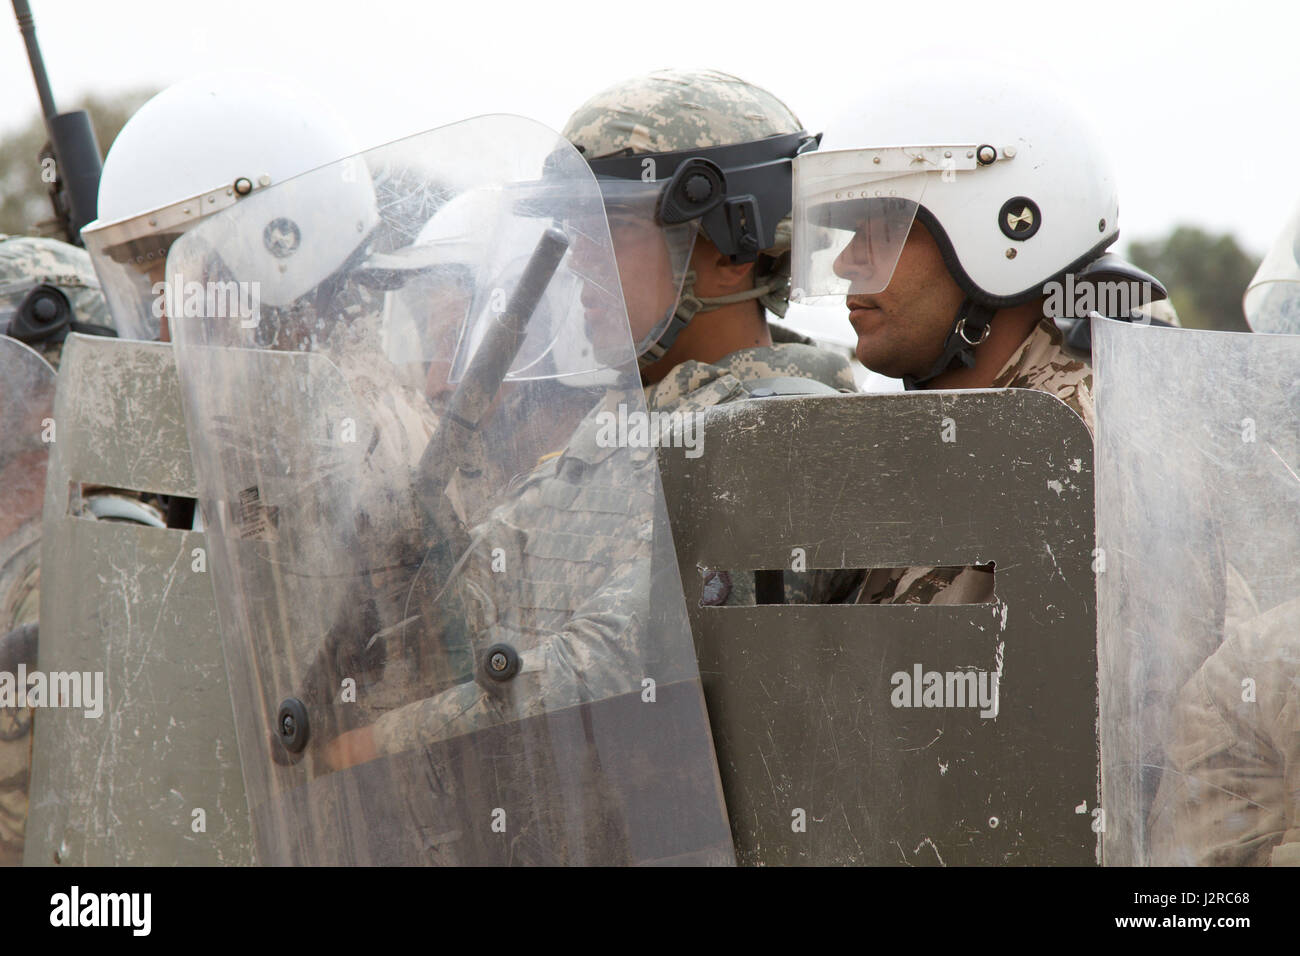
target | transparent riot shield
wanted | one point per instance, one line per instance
(1198, 522)
(451, 613)
(26, 408)
(134, 760)
(936, 734)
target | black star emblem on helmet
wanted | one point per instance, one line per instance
(1019, 218)
(281, 237)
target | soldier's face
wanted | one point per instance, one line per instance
(901, 329)
(645, 271)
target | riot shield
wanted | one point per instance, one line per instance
(26, 408)
(452, 619)
(902, 734)
(1198, 522)
(135, 759)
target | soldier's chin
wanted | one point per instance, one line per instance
(877, 356)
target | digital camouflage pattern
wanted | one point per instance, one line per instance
(694, 386)
(27, 261)
(1041, 363)
(576, 538)
(1228, 796)
(669, 110)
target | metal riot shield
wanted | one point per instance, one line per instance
(1198, 523)
(27, 410)
(451, 613)
(898, 734)
(135, 758)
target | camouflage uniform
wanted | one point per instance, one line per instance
(573, 599)
(1041, 362)
(26, 262)
(672, 111)
(1230, 793)
(695, 386)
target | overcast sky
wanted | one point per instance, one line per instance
(1198, 99)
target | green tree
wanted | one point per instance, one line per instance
(1205, 274)
(24, 199)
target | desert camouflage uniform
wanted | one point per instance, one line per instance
(24, 263)
(1230, 793)
(573, 599)
(695, 386)
(1041, 362)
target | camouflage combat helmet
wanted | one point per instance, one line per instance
(49, 288)
(721, 152)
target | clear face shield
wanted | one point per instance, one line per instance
(653, 255)
(853, 211)
(1272, 300)
(457, 275)
(130, 257)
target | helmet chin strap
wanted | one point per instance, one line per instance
(689, 305)
(969, 329)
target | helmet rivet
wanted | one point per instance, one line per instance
(985, 155)
(264, 180)
(1101, 226)
(243, 186)
(153, 222)
(1011, 253)
(875, 159)
(970, 154)
(947, 154)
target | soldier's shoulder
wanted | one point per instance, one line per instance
(1043, 363)
(792, 360)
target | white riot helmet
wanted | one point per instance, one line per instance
(198, 147)
(468, 257)
(1272, 300)
(428, 317)
(1013, 185)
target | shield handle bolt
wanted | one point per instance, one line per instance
(291, 725)
(502, 662)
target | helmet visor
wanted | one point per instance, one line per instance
(130, 257)
(129, 272)
(653, 256)
(853, 210)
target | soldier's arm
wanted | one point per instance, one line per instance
(596, 654)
